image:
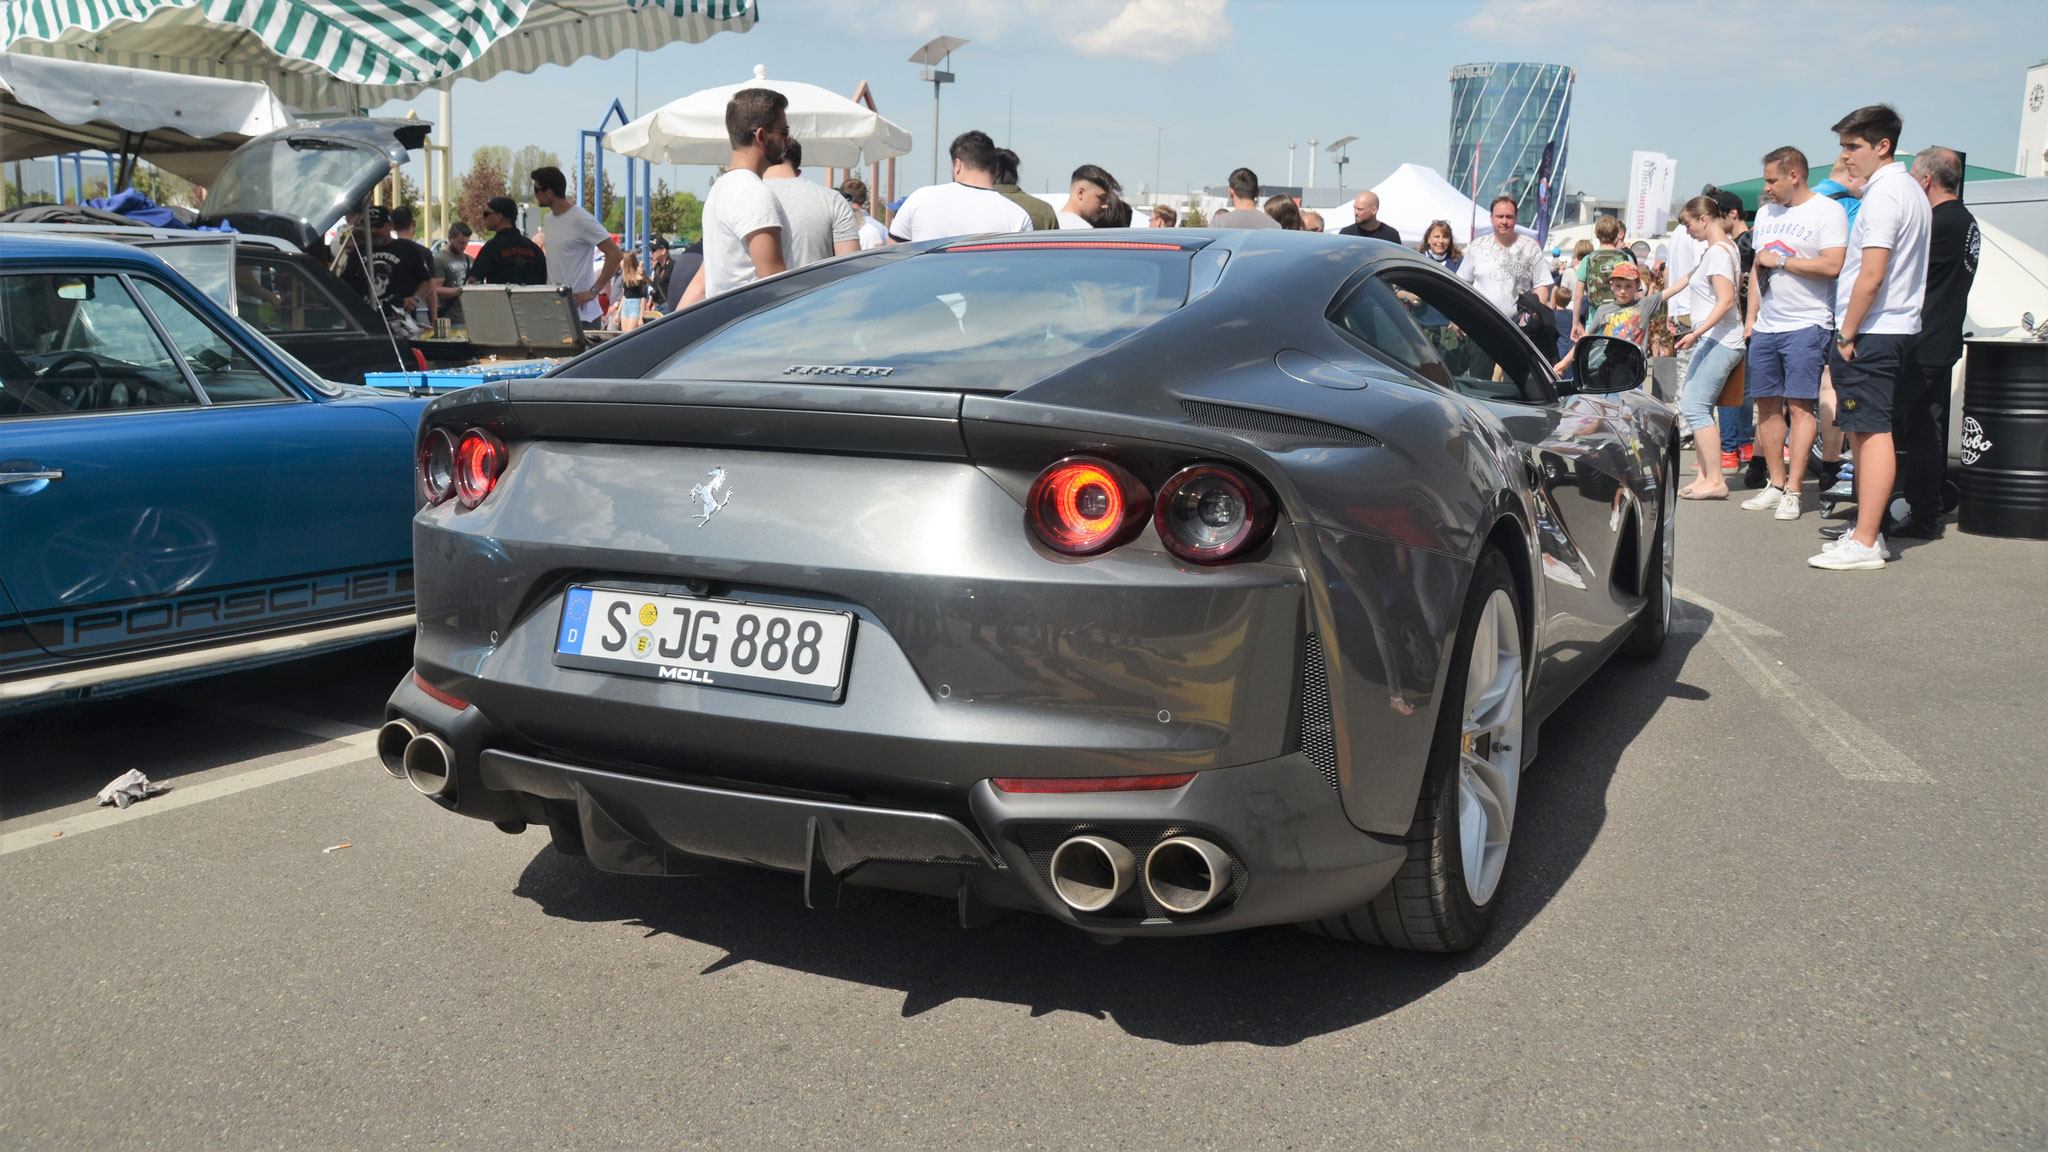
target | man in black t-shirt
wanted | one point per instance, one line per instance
(1366, 222)
(1920, 408)
(507, 257)
(403, 271)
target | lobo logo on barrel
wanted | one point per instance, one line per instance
(1975, 442)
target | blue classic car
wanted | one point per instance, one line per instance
(177, 494)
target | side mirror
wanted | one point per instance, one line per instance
(1603, 365)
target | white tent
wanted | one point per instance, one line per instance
(1414, 196)
(183, 124)
(835, 131)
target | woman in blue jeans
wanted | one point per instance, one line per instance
(1716, 340)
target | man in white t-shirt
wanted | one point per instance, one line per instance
(1088, 193)
(821, 223)
(1878, 299)
(1504, 264)
(744, 224)
(574, 242)
(969, 206)
(1800, 238)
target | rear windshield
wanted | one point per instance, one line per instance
(952, 319)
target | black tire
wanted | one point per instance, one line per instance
(1427, 907)
(1653, 624)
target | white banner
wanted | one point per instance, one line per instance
(1667, 183)
(1646, 205)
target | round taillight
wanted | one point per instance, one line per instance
(1209, 513)
(437, 466)
(1081, 505)
(478, 459)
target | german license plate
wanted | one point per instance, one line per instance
(722, 643)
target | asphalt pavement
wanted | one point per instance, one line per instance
(1781, 887)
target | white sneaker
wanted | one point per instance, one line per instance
(1788, 506)
(1849, 555)
(1770, 497)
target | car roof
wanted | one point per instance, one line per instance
(22, 247)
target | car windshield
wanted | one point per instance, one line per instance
(312, 180)
(960, 318)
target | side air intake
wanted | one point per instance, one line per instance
(1237, 419)
(1318, 729)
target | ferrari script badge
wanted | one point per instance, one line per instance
(710, 496)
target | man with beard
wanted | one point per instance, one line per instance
(402, 272)
(744, 225)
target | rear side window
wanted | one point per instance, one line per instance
(978, 317)
(81, 344)
(273, 296)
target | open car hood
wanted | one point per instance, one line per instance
(296, 183)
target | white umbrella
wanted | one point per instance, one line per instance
(835, 131)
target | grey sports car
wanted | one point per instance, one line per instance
(1163, 582)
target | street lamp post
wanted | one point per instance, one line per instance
(938, 52)
(1311, 164)
(1290, 165)
(1342, 159)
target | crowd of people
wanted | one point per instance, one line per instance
(1835, 317)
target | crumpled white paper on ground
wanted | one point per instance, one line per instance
(129, 787)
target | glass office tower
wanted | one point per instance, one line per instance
(1503, 115)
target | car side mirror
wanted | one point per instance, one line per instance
(1603, 365)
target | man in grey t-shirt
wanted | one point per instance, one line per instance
(1244, 210)
(821, 223)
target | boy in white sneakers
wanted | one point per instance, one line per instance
(1878, 299)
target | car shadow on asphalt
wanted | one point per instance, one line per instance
(1271, 986)
(60, 755)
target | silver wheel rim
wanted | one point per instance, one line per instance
(1490, 753)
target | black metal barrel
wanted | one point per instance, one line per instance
(2005, 440)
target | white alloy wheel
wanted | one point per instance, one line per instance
(1490, 753)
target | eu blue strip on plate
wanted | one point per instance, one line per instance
(575, 614)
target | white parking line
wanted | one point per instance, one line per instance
(1850, 746)
(58, 831)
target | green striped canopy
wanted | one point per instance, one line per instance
(327, 54)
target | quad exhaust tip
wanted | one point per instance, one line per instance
(1186, 874)
(1090, 872)
(391, 741)
(430, 765)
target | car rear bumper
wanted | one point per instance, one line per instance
(1295, 856)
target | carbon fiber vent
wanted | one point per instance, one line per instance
(1252, 420)
(1318, 729)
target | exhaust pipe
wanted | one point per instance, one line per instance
(1090, 872)
(1186, 874)
(430, 765)
(391, 741)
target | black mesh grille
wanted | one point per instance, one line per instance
(1318, 729)
(1039, 841)
(1252, 420)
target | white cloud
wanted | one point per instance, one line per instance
(1155, 31)
(1159, 31)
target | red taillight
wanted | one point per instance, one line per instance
(1083, 505)
(455, 702)
(1092, 783)
(1209, 513)
(437, 466)
(478, 459)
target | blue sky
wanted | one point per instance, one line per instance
(1234, 81)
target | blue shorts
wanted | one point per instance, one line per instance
(1787, 364)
